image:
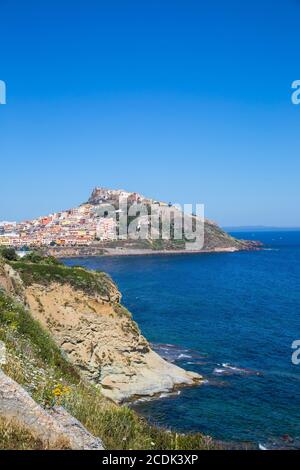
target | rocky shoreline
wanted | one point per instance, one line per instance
(97, 251)
(82, 311)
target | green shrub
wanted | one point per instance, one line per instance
(9, 254)
(48, 271)
(37, 257)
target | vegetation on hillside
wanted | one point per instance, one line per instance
(9, 254)
(50, 270)
(21, 333)
(14, 437)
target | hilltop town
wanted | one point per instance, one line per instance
(79, 226)
(91, 227)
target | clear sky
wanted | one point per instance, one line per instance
(186, 101)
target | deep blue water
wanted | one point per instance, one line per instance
(240, 309)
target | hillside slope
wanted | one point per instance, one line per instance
(82, 311)
(54, 378)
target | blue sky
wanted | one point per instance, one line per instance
(186, 101)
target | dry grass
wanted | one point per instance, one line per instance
(121, 428)
(14, 437)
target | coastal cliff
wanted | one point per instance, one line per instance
(71, 353)
(82, 311)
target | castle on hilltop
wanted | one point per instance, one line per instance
(103, 195)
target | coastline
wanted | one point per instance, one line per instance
(253, 281)
(158, 396)
(127, 252)
(90, 252)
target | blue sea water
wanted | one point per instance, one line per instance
(231, 317)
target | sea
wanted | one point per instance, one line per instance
(231, 317)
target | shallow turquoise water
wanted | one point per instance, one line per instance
(231, 317)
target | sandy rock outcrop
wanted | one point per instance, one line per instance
(56, 429)
(101, 339)
(98, 336)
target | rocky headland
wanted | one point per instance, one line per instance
(106, 225)
(82, 311)
(66, 331)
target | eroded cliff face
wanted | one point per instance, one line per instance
(103, 341)
(100, 338)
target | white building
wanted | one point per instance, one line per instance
(107, 229)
